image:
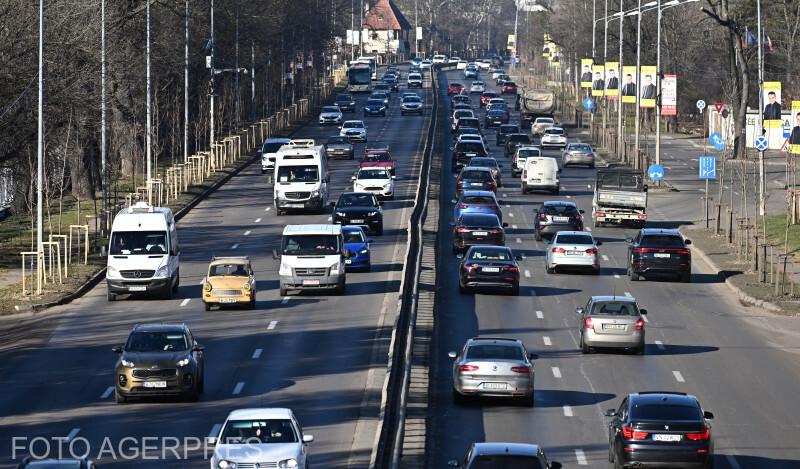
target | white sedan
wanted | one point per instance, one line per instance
(573, 249)
(477, 87)
(355, 130)
(378, 181)
(330, 115)
(554, 137)
(461, 65)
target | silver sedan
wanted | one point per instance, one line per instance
(573, 249)
(493, 367)
(613, 322)
(578, 154)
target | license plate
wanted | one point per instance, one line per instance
(480, 233)
(138, 288)
(495, 385)
(661, 255)
(227, 300)
(155, 384)
(471, 155)
(348, 261)
(357, 220)
(536, 180)
(614, 326)
(295, 205)
(574, 253)
(664, 437)
(490, 269)
(561, 219)
(310, 282)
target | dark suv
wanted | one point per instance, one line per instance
(475, 179)
(656, 251)
(660, 429)
(505, 130)
(465, 151)
(514, 141)
(556, 215)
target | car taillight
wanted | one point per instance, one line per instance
(630, 434)
(587, 323)
(520, 369)
(591, 251)
(701, 436)
(491, 183)
(642, 250)
(511, 269)
(640, 324)
(600, 214)
(468, 368)
(525, 174)
(459, 182)
(578, 218)
(461, 229)
(470, 268)
(462, 206)
(496, 230)
(558, 250)
(542, 216)
(682, 252)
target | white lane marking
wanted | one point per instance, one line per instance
(569, 196)
(285, 300)
(185, 302)
(527, 274)
(257, 353)
(508, 206)
(511, 215)
(588, 229)
(272, 325)
(514, 226)
(257, 220)
(72, 434)
(214, 430)
(581, 457)
(539, 315)
(247, 233)
(732, 461)
(556, 372)
(660, 345)
(567, 411)
(616, 276)
(645, 319)
(107, 392)
(547, 341)
(267, 209)
(238, 389)
(235, 246)
(678, 376)
(519, 241)
(330, 218)
(605, 258)
(505, 195)
(628, 294)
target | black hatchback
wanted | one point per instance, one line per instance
(557, 215)
(660, 429)
(514, 141)
(478, 229)
(475, 179)
(503, 131)
(659, 252)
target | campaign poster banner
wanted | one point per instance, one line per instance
(586, 73)
(772, 105)
(612, 80)
(629, 84)
(598, 80)
(669, 95)
(647, 86)
(794, 138)
(512, 41)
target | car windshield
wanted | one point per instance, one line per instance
(619, 180)
(375, 102)
(157, 341)
(615, 308)
(497, 112)
(480, 219)
(298, 174)
(509, 129)
(493, 351)
(356, 200)
(339, 140)
(560, 210)
(353, 125)
(373, 174)
(414, 76)
(477, 83)
(332, 109)
(272, 147)
(254, 432)
(520, 138)
(310, 245)
(509, 83)
(505, 462)
(489, 95)
(554, 131)
(462, 113)
(412, 99)
(467, 130)
(661, 241)
(125, 243)
(665, 412)
(477, 175)
(483, 162)
(573, 239)
(377, 157)
(490, 255)
(529, 152)
(544, 120)
(354, 236)
(478, 200)
(580, 147)
(229, 270)
(469, 147)
(469, 121)
(344, 97)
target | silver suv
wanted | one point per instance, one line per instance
(613, 322)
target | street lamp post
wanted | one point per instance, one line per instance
(211, 66)
(638, 70)
(103, 148)
(620, 131)
(186, 85)
(40, 157)
(149, 123)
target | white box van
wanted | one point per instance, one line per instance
(143, 254)
(301, 177)
(541, 173)
(312, 258)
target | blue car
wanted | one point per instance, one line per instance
(477, 202)
(356, 241)
(375, 107)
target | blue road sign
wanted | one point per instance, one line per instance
(762, 143)
(708, 167)
(716, 139)
(588, 104)
(787, 130)
(655, 172)
(700, 104)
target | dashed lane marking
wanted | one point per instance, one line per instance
(257, 220)
(247, 233)
(214, 430)
(732, 461)
(678, 376)
(605, 258)
(547, 341)
(72, 434)
(539, 315)
(107, 392)
(238, 388)
(185, 302)
(556, 372)
(519, 241)
(235, 246)
(257, 353)
(511, 215)
(567, 411)
(285, 300)
(267, 209)
(660, 345)
(616, 276)
(514, 227)
(272, 325)
(628, 294)
(581, 457)
(527, 274)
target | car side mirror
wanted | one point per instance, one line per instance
(460, 255)
(198, 348)
(642, 312)
(629, 240)
(533, 356)
(599, 243)
(708, 415)
(352, 178)
(644, 188)
(453, 463)
(578, 310)
(116, 349)
(394, 177)
(610, 413)
(308, 438)
(580, 211)
(332, 204)
(452, 354)
(505, 225)
(275, 254)
(687, 241)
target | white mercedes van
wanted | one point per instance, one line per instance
(301, 177)
(541, 173)
(312, 258)
(143, 254)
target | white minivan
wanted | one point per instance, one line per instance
(301, 177)
(541, 173)
(143, 254)
(312, 258)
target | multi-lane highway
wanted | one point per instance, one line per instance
(739, 361)
(323, 356)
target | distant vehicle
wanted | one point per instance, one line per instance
(478, 229)
(541, 173)
(458, 114)
(312, 257)
(414, 80)
(488, 366)
(359, 77)
(159, 360)
(490, 267)
(301, 177)
(573, 249)
(330, 115)
(659, 252)
(470, 137)
(514, 141)
(378, 181)
(461, 65)
(536, 102)
(439, 59)
(502, 79)
(477, 202)
(666, 428)
(578, 153)
(372, 61)
(540, 124)
(453, 60)
(484, 64)
(491, 164)
(392, 81)
(339, 147)
(356, 241)
(473, 122)
(554, 137)
(454, 88)
(412, 105)
(345, 102)
(355, 130)
(477, 87)
(508, 87)
(378, 158)
(620, 197)
(486, 96)
(611, 322)
(31, 463)
(475, 179)
(426, 65)
(359, 209)
(496, 118)
(375, 107)
(556, 215)
(497, 104)
(463, 130)
(522, 154)
(230, 281)
(504, 455)
(384, 95)
(269, 151)
(464, 151)
(143, 253)
(460, 99)
(249, 437)
(471, 72)
(504, 130)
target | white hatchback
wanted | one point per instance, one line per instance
(554, 137)
(378, 181)
(576, 249)
(477, 87)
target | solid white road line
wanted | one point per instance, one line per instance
(285, 300)
(72, 434)
(508, 206)
(605, 258)
(185, 302)
(628, 294)
(214, 430)
(556, 372)
(546, 340)
(569, 196)
(616, 275)
(257, 220)
(660, 345)
(330, 218)
(257, 353)
(539, 315)
(581, 457)
(678, 376)
(235, 246)
(247, 233)
(588, 229)
(732, 461)
(272, 325)
(527, 274)
(567, 411)
(107, 392)
(238, 389)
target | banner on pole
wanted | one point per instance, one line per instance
(772, 105)
(629, 84)
(794, 137)
(612, 80)
(647, 86)
(669, 95)
(598, 80)
(586, 73)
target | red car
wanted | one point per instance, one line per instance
(378, 158)
(455, 88)
(509, 87)
(487, 96)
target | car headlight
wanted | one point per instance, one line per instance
(372, 214)
(340, 214)
(285, 269)
(364, 251)
(223, 464)
(291, 462)
(335, 269)
(112, 271)
(207, 286)
(162, 271)
(183, 362)
(127, 363)
(386, 186)
(246, 286)
(315, 193)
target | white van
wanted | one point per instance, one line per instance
(312, 258)
(541, 173)
(301, 177)
(439, 59)
(143, 254)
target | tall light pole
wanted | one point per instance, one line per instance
(762, 205)
(605, 61)
(620, 131)
(40, 157)
(149, 123)
(211, 63)
(638, 68)
(103, 148)
(594, 27)
(186, 85)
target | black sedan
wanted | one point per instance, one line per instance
(660, 429)
(496, 118)
(659, 252)
(359, 209)
(557, 215)
(493, 267)
(475, 179)
(375, 107)
(345, 102)
(478, 229)
(505, 130)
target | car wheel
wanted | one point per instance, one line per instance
(596, 271)
(111, 297)
(549, 270)
(119, 398)
(201, 382)
(515, 290)
(284, 291)
(252, 304)
(640, 349)
(537, 236)
(368, 268)
(193, 395)
(168, 292)
(557, 190)
(207, 306)
(686, 278)
(340, 289)
(585, 348)
(462, 289)
(528, 401)
(618, 464)
(591, 166)
(633, 275)
(458, 398)
(379, 230)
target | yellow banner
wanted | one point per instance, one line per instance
(586, 73)
(794, 138)
(629, 84)
(647, 86)
(598, 80)
(612, 79)
(772, 105)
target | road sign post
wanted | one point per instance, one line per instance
(707, 170)
(655, 172)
